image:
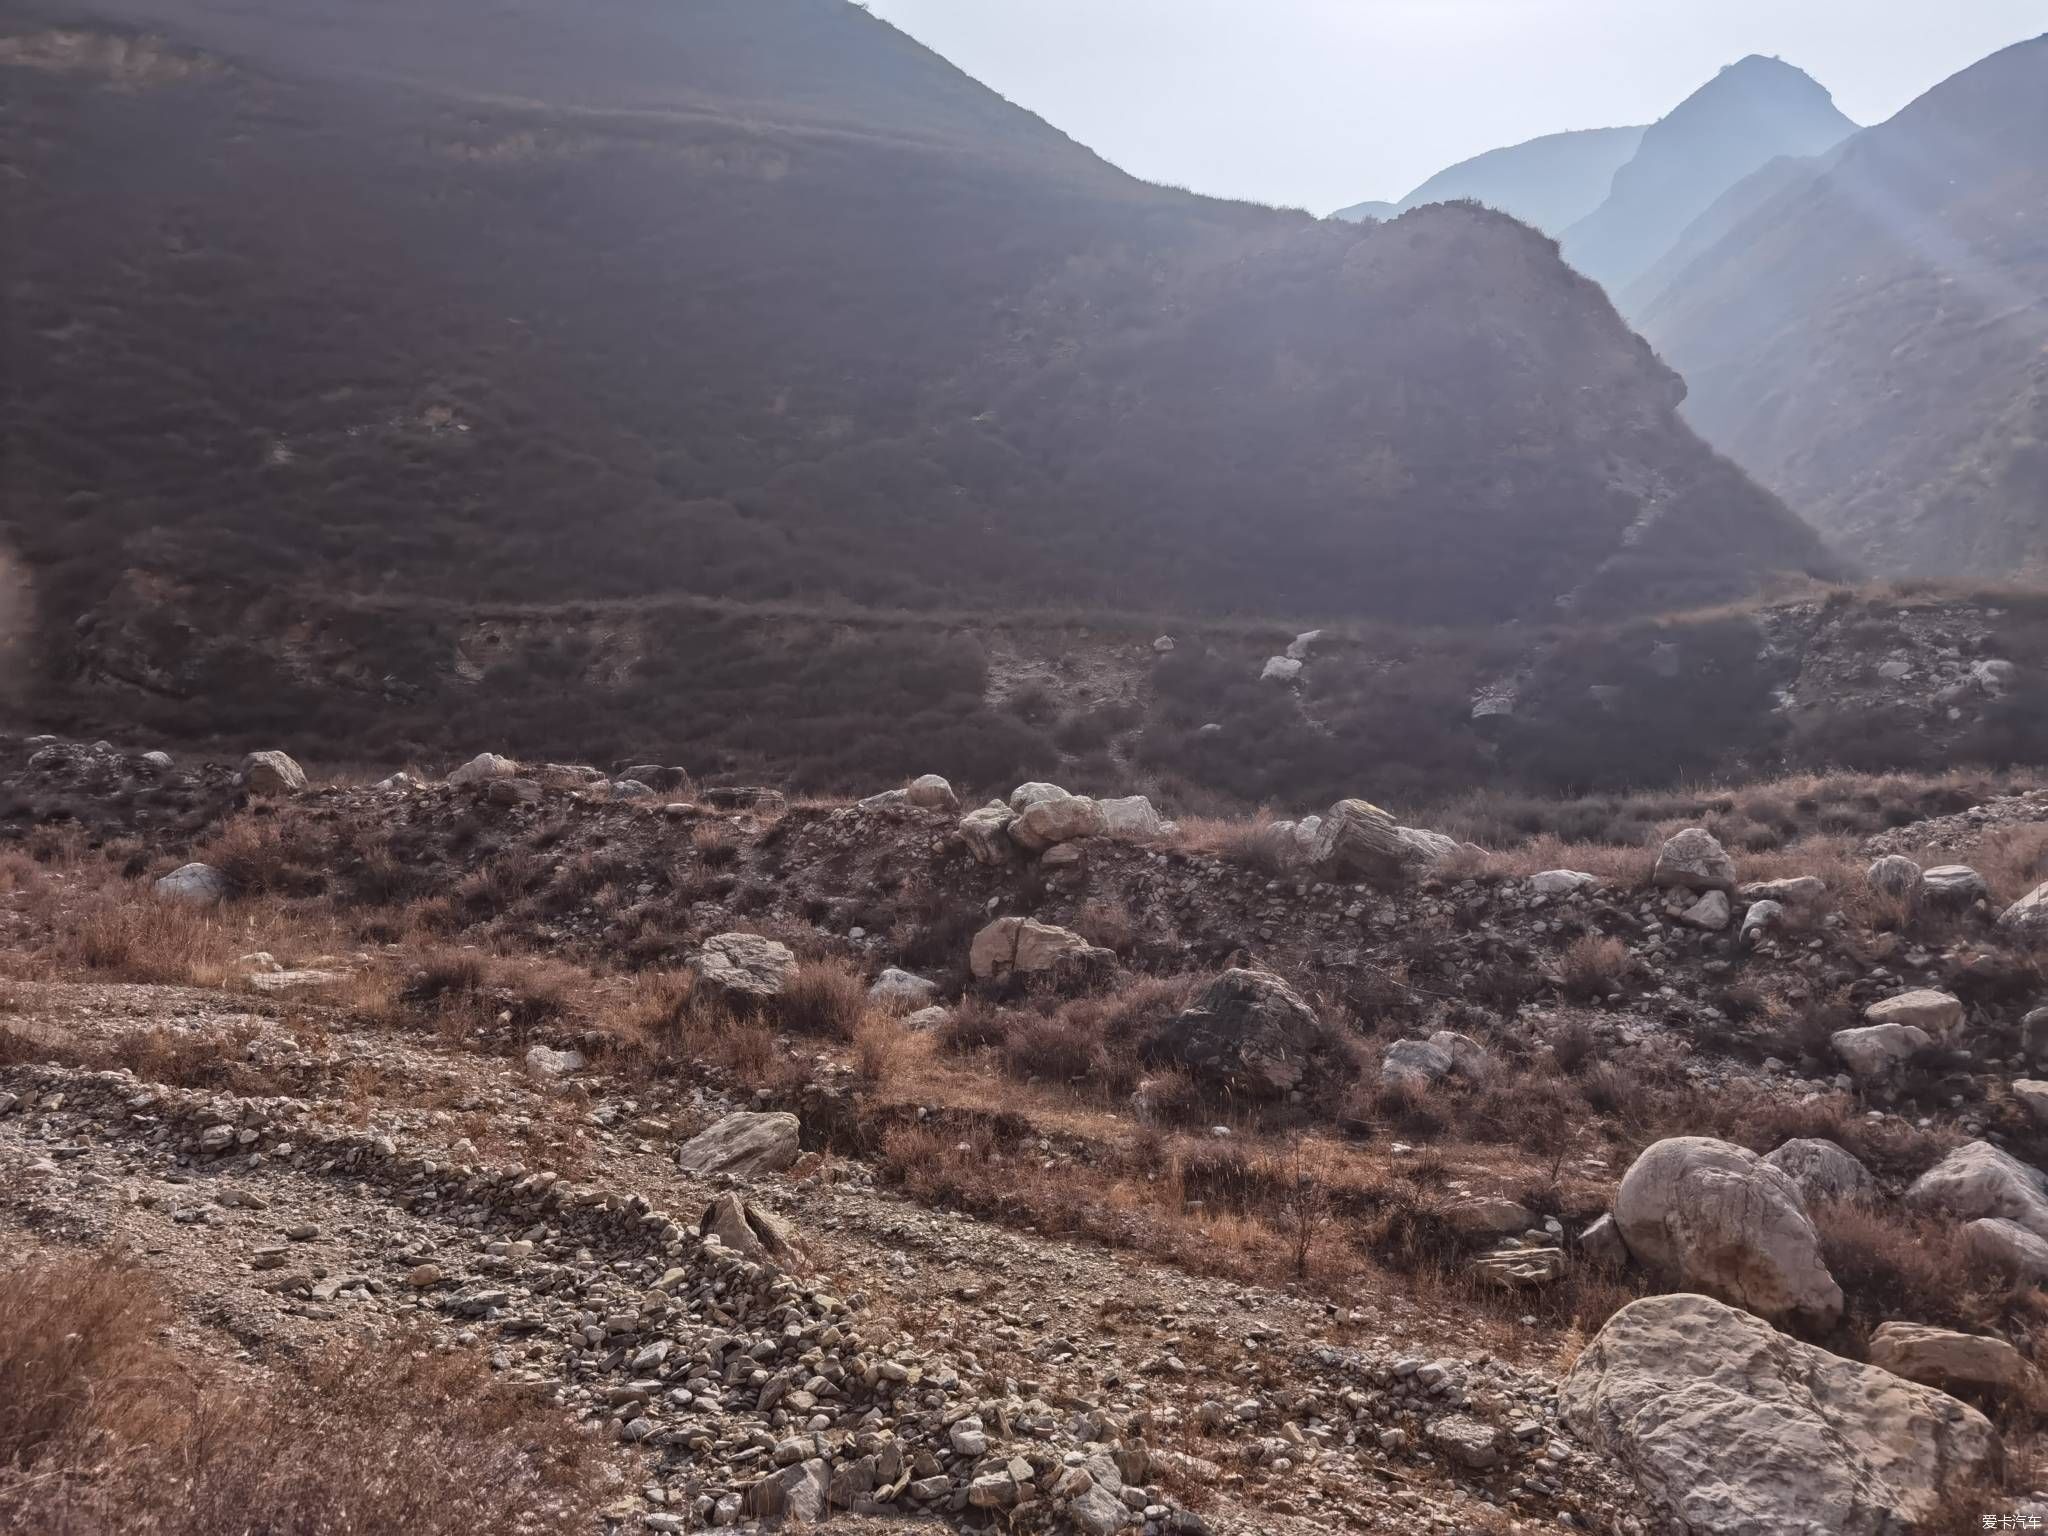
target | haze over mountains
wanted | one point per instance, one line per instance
(761, 301)
(1868, 332)
(1551, 182)
(1860, 316)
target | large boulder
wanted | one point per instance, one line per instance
(484, 768)
(1707, 1215)
(272, 773)
(1953, 887)
(1249, 1033)
(1359, 841)
(1424, 848)
(1738, 1430)
(1130, 819)
(1044, 823)
(743, 1145)
(2007, 1247)
(1694, 860)
(1875, 1051)
(1978, 1180)
(196, 885)
(1938, 1013)
(1823, 1171)
(901, 991)
(1415, 1064)
(1954, 1362)
(1026, 795)
(1562, 882)
(1793, 891)
(1895, 876)
(2027, 918)
(745, 970)
(1024, 947)
(750, 1231)
(986, 833)
(931, 793)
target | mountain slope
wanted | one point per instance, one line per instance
(1551, 182)
(1872, 337)
(1751, 113)
(758, 301)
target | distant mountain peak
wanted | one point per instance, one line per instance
(1752, 112)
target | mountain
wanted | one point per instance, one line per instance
(758, 301)
(1869, 333)
(1551, 182)
(1751, 113)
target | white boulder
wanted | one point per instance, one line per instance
(1822, 1170)
(2027, 918)
(198, 885)
(1044, 823)
(1737, 1430)
(1978, 1180)
(1710, 1216)
(1876, 1051)
(272, 773)
(1938, 1013)
(1694, 860)
(1022, 946)
(743, 1145)
(483, 769)
(931, 793)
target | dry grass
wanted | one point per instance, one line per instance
(826, 998)
(102, 1425)
(1593, 966)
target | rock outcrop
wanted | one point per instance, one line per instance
(272, 773)
(1249, 1034)
(1737, 1430)
(1021, 946)
(743, 1145)
(1979, 1180)
(745, 970)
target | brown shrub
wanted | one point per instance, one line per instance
(716, 844)
(1898, 1263)
(1593, 965)
(1575, 1044)
(825, 997)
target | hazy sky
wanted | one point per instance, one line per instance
(1320, 103)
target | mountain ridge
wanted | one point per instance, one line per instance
(1752, 112)
(1574, 170)
(1869, 338)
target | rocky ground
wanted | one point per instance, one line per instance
(561, 1067)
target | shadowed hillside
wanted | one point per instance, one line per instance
(761, 301)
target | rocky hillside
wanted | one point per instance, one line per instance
(1753, 112)
(1551, 182)
(1869, 334)
(761, 301)
(1211, 715)
(1040, 1168)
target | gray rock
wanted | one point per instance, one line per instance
(1710, 1216)
(900, 991)
(929, 792)
(1021, 946)
(1737, 1430)
(1953, 887)
(2008, 1247)
(1280, 669)
(986, 833)
(1822, 1171)
(1876, 1051)
(272, 773)
(745, 970)
(1359, 841)
(1710, 914)
(1601, 1243)
(1978, 1180)
(545, 1063)
(1694, 860)
(1938, 1013)
(1414, 1064)
(1895, 876)
(1249, 1033)
(482, 769)
(199, 885)
(2027, 918)
(744, 1145)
